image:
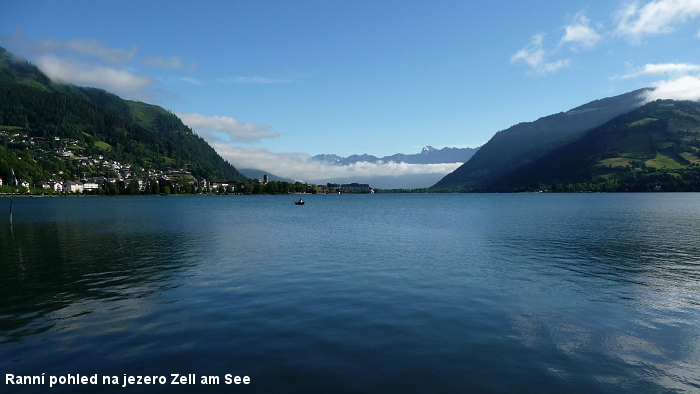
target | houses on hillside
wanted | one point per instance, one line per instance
(179, 184)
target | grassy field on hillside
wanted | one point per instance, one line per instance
(103, 146)
(616, 162)
(663, 161)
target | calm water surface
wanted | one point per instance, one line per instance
(356, 293)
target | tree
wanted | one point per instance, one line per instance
(111, 189)
(133, 188)
(153, 186)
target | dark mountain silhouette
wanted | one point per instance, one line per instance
(511, 148)
(656, 146)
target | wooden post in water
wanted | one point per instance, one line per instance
(14, 184)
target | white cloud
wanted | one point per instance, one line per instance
(683, 88)
(299, 167)
(634, 21)
(554, 66)
(534, 55)
(174, 62)
(91, 48)
(655, 17)
(225, 128)
(99, 50)
(116, 81)
(580, 33)
(664, 68)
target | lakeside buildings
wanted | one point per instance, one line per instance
(163, 184)
(97, 172)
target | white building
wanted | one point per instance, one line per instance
(72, 187)
(89, 186)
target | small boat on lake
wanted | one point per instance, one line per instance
(300, 202)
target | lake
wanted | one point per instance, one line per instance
(386, 293)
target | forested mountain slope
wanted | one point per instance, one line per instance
(524, 142)
(42, 120)
(656, 146)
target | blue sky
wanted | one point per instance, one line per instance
(270, 83)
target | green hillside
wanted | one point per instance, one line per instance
(657, 144)
(525, 142)
(55, 131)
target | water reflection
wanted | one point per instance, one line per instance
(448, 293)
(638, 268)
(66, 269)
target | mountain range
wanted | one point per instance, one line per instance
(428, 155)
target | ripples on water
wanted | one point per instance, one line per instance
(383, 293)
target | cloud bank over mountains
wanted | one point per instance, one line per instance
(222, 132)
(300, 167)
(70, 70)
(88, 62)
(683, 88)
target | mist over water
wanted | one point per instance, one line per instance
(357, 293)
